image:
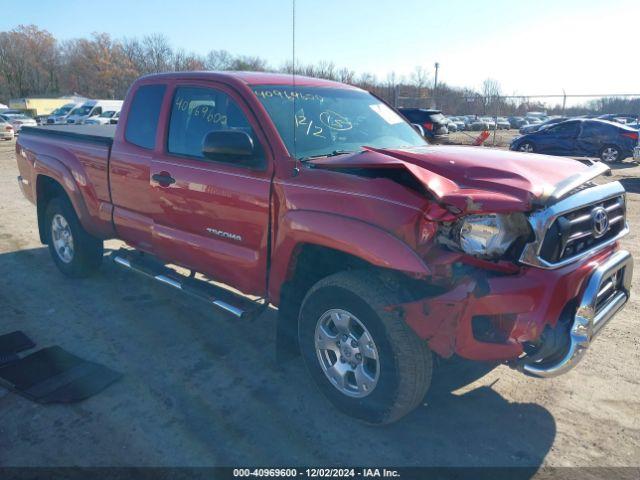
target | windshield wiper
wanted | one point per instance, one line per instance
(335, 153)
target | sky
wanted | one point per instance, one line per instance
(534, 47)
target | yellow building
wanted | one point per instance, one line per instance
(38, 106)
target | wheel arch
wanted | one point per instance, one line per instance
(316, 245)
(49, 187)
(344, 239)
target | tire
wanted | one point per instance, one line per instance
(611, 154)
(85, 253)
(526, 147)
(404, 364)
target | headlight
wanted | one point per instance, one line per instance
(491, 235)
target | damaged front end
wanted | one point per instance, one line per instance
(525, 257)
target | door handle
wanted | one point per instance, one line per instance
(163, 178)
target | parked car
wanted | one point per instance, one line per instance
(433, 122)
(542, 116)
(18, 120)
(11, 111)
(6, 130)
(459, 122)
(491, 122)
(479, 124)
(379, 250)
(534, 127)
(502, 123)
(609, 141)
(59, 115)
(92, 108)
(103, 119)
(517, 122)
(624, 118)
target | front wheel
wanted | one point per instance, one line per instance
(363, 358)
(526, 147)
(75, 252)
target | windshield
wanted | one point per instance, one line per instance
(62, 110)
(329, 120)
(82, 111)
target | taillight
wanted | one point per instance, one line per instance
(427, 126)
(631, 135)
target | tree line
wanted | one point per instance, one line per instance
(34, 63)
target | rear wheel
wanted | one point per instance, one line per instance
(611, 154)
(363, 358)
(75, 252)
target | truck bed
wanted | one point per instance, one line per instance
(82, 149)
(102, 134)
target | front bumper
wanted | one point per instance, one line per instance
(522, 307)
(611, 280)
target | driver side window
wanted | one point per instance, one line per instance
(564, 129)
(197, 111)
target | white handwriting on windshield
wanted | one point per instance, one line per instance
(311, 129)
(289, 95)
(335, 121)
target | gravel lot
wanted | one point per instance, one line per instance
(203, 389)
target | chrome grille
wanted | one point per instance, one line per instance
(573, 227)
(575, 231)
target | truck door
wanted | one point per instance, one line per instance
(212, 216)
(129, 165)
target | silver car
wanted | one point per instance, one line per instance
(6, 130)
(18, 121)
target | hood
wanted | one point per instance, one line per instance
(471, 179)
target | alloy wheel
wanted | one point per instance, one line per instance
(347, 353)
(62, 238)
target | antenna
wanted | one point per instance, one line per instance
(296, 169)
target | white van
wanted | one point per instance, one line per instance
(59, 115)
(92, 108)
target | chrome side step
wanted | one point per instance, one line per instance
(219, 297)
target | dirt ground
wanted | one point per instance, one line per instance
(202, 389)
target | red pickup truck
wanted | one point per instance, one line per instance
(315, 197)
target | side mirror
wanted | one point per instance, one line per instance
(418, 128)
(227, 143)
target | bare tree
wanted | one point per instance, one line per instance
(218, 60)
(157, 53)
(491, 92)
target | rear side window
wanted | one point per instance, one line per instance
(142, 121)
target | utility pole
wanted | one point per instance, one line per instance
(435, 84)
